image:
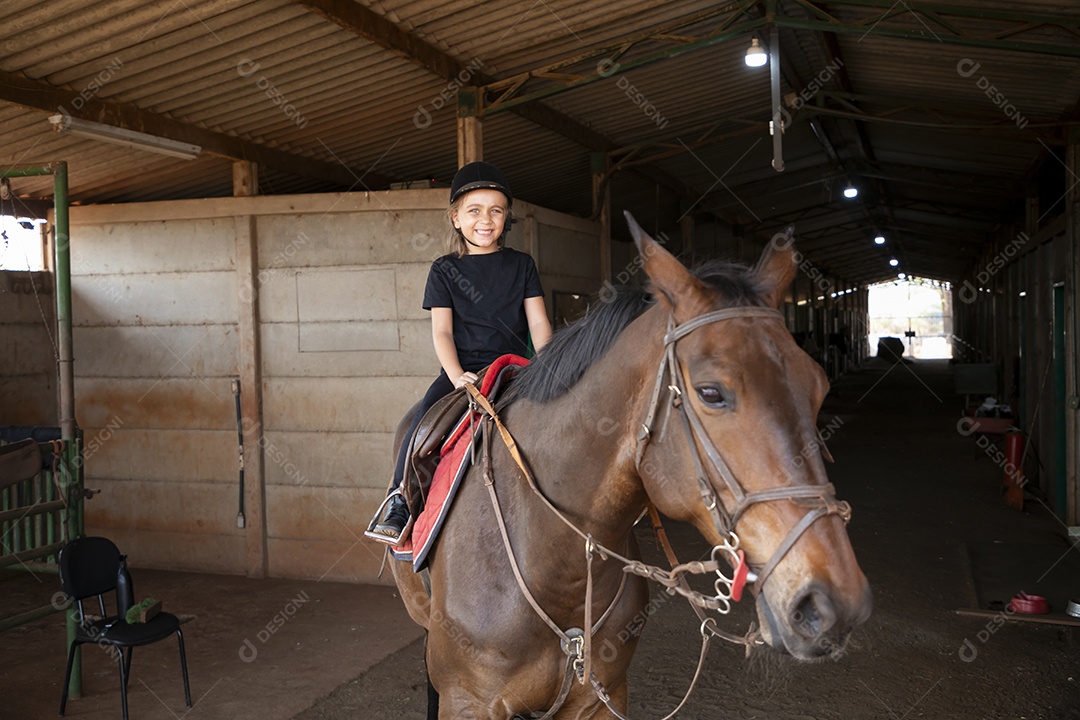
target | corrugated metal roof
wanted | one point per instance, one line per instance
(277, 74)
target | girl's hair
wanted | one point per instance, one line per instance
(455, 241)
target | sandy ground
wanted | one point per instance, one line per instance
(920, 490)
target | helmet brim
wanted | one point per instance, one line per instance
(481, 185)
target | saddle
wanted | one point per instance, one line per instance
(443, 424)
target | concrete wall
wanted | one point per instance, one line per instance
(27, 355)
(313, 302)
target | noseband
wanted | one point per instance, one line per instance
(819, 499)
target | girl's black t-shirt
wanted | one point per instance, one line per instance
(487, 295)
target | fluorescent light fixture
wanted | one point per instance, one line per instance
(894, 262)
(851, 191)
(125, 137)
(755, 54)
(879, 240)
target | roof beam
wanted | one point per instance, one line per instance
(881, 20)
(374, 28)
(970, 182)
(559, 77)
(37, 95)
(940, 24)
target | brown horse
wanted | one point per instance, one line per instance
(729, 405)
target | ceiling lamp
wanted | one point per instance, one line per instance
(902, 276)
(125, 137)
(879, 240)
(894, 262)
(755, 54)
(851, 191)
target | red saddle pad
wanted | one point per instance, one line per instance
(453, 464)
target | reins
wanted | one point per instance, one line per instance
(577, 643)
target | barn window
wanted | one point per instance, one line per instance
(21, 244)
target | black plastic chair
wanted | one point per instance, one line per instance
(89, 567)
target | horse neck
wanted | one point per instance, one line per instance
(581, 445)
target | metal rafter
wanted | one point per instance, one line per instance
(831, 48)
(669, 146)
(1051, 131)
(939, 23)
(37, 95)
(374, 28)
(814, 243)
(882, 18)
(604, 62)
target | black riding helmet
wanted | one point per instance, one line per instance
(478, 175)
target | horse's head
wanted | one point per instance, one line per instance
(739, 405)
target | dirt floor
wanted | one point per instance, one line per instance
(922, 492)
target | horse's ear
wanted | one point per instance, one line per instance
(672, 284)
(776, 268)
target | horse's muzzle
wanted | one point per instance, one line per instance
(816, 625)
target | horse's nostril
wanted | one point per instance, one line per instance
(814, 615)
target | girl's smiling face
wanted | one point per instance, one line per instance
(481, 217)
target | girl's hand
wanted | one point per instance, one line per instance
(465, 378)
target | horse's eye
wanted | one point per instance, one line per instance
(711, 396)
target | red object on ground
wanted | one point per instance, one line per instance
(1029, 604)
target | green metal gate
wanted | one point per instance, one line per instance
(40, 513)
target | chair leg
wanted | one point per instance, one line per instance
(123, 681)
(127, 665)
(183, 667)
(67, 676)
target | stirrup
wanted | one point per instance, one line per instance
(379, 537)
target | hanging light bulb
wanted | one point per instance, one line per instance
(894, 262)
(851, 191)
(879, 240)
(755, 54)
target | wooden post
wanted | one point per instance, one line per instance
(686, 227)
(470, 127)
(245, 178)
(602, 211)
(793, 322)
(1072, 328)
(250, 364)
(1031, 209)
(532, 247)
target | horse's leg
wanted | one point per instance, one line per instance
(432, 701)
(432, 694)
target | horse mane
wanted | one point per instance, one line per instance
(575, 347)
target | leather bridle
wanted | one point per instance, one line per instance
(819, 499)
